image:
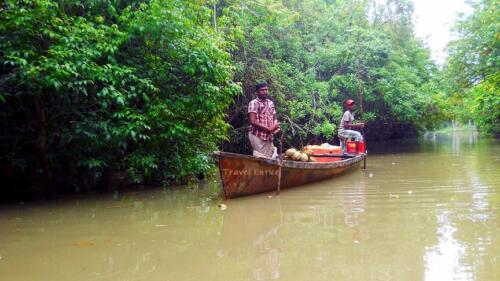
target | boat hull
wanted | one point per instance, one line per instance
(244, 175)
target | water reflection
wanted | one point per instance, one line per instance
(463, 240)
(443, 261)
(253, 236)
(353, 206)
(456, 138)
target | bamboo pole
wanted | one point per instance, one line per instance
(280, 163)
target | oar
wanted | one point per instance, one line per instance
(332, 155)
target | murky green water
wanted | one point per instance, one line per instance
(421, 211)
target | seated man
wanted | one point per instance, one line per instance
(346, 124)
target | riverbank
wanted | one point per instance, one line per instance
(457, 128)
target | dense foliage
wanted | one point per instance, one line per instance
(88, 91)
(91, 89)
(474, 67)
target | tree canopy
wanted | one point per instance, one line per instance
(473, 66)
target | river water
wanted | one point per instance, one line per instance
(422, 210)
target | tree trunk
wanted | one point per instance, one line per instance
(360, 90)
(42, 139)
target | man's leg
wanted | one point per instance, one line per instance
(261, 148)
(351, 134)
(342, 140)
(345, 135)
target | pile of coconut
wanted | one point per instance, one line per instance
(297, 155)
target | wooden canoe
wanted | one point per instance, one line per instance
(246, 175)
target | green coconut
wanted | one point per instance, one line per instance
(308, 151)
(290, 152)
(304, 157)
(297, 155)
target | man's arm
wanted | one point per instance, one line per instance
(252, 116)
(349, 125)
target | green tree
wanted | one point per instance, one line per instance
(174, 45)
(473, 63)
(60, 74)
(131, 87)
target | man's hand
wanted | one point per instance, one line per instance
(357, 125)
(275, 128)
(253, 121)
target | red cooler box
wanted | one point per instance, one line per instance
(355, 147)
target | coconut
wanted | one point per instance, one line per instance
(297, 155)
(308, 151)
(304, 157)
(290, 152)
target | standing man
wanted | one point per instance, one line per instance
(263, 123)
(346, 125)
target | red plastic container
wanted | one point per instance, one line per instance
(355, 147)
(351, 147)
(361, 148)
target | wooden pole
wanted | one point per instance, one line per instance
(280, 163)
(360, 90)
(215, 16)
(361, 108)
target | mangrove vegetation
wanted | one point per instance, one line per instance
(92, 91)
